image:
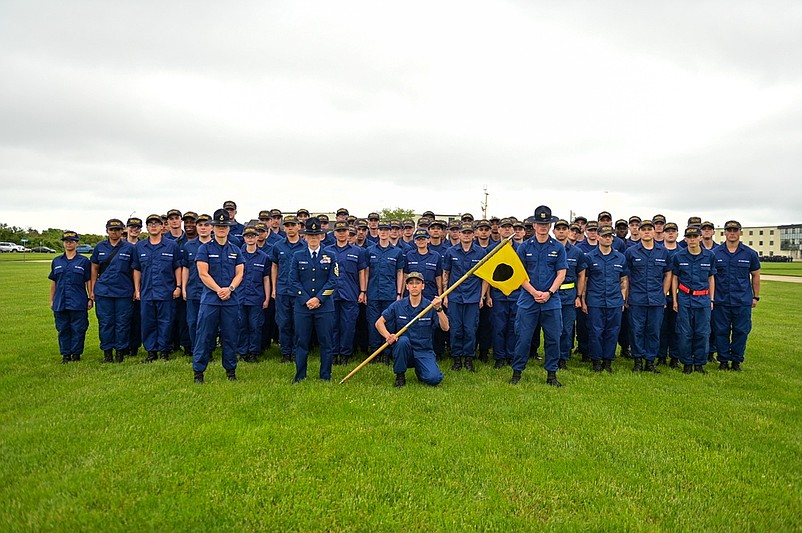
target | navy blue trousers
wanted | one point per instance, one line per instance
(550, 321)
(582, 333)
(503, 315)
(157, 321)
(374, 311)
(604, 325)
(346, 314)
(668, 334)
(423, 362)
(285, 311)
(193, 306)
(71, 327)
(211, 319)
(645, 322)
(463, 319)
(693, 334)
(323, 324)
(135, 333)
(251, 320)
(567, 334)
(114, 322)
(732, 325)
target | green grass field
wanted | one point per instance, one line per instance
(782, 269)
(140, 447)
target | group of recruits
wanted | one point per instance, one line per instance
(634, 283)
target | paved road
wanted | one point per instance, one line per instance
(790, 279)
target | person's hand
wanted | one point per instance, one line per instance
(313, 303)
(177, 293)
(391, 338)
(136, 296)
(89, 304)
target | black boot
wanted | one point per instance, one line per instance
(65, 359)
(133, 353)
(483, 356)
(552, 380)
(638, 366)
(76, 357)
(165, 355)
(198, 377)
(608, 365)
(562, 365)
(650, 367)
(736, 366)
(400, 379)
(152, 356)
(661, 361)
(597, 365)
(232, 375)
(469, 364)
(108, 356)
(724, 365)
(625, 353)
(457, 364)
(499, 364)
(516, 377)
(687, 369)
(699, 369)
(711, 357)
(120, 357)
(288, 358)
(585, 358)
(674, 363)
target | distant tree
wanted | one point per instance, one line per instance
(398, 213)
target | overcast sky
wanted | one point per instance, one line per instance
(637, 107)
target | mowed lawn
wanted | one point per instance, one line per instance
(136, 447)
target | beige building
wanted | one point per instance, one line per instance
(767, 241)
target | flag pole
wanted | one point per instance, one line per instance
(456, 284)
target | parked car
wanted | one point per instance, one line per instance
(11, 247)
(84, 249)
(43, 250)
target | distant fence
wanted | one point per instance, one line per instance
(776, 259)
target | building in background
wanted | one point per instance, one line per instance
(771, 241)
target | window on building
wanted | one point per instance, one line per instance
(750, 243)
(760, 243)
(761, 232)
(771, 232)
(771, 243)
(751, 232)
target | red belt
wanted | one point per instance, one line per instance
(686, 290)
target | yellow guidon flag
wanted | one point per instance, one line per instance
(504, 270)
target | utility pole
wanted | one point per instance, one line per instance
(484, 204)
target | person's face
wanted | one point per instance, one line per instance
(436, 232)
(542, 229)
(204, 229)
(70, 245)
(520, 232)
(134, 231)
(646, 233)
(174, 222)
(394, 232)
(633, 228)
(302, 218)
(606, 240)
(342, 218)
(275, 221)
(560, 233)
(415, 287)
(582, 224)
(658, 227)
(373, 223)
(670, 235)
(505, 231)
(221, 232)
(453, 234)
(733, 235)
(250, 240)
(421, 243)
(341, 235)
(155, 227)
(324, 225)
(692, 240)
(592, 234)
(466, 237)
(114, 233)
(261, 236)
(605, 220)
(189, 226)
(707, 232)
(621, 231)
(291, 229)
(408, 231)
(232, 213)
(483, 232)
(573, 234)
(384, 234)
(313, 241)
(351, 238)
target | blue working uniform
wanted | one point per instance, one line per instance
(157, 264)
(114, 293)
(351, 260)
(430, 265)
(732, 311)
(414, 347)
(273, 238)
(281, 255)
(646, 298)
(251, 295)
(568, 292)
(216, 315)
(581, 318)
(693, 304)
(463, 302)
(542, 262)
(440, 248)
(484, 330)
(70, 303)
(604, 300)
(194, 286)
(235, 234)
(384, 263)
(313, 274)
(502, 315)
(668, 329)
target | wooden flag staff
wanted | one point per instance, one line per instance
(456, 284)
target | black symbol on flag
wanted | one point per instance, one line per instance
(502, 272)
